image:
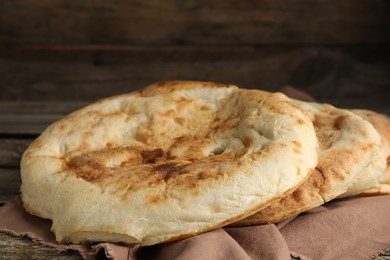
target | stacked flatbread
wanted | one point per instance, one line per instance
(180, 158)
(352, 157)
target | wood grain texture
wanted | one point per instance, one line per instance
(9, 184)
(18, 119)
(194, 22)
(21, 248)
(383, 256)
(17, 108)
(26, 124)
(11, 151)
(349, 76)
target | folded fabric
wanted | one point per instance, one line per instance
(354, 228)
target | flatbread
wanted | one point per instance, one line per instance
(383, 188)
(372, 174)
(167, 162)
(347, 144)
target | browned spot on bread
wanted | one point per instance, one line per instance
(218, 151)
(182, 102)
(152, 156)
(179, 120)
(204, 108)
(221, 125)
(143, 134)
(131, 109)
(169, 170)
(295, 106)
(297, 147)
(153, 199)
(86, 167)
(298, 195)
(368, 147)
(96, 166)
(297, 144)
(300, 121)
(203, 175)
(319, 181)
(319, 122)
(336, 166)
(247, 141)
(167, 113)
(338, 122)
(37, 143)
(191, 183)
(109, 145)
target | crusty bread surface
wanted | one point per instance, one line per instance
(169, 161)
(347, 144)
(374, 174)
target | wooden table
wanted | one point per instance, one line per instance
(57, 56)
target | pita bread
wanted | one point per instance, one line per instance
(383, 188)
(168, 162)
(347, 144)
(373, 172)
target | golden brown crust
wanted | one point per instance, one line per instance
(375, 175)
(383, 188)
(153, 168)
(380, 122)
(169, 161)
(166, 87)
(347, 144)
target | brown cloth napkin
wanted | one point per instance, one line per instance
(354, 228)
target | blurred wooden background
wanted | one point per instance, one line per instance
(63, 50)
(58, 55)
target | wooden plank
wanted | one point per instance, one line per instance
(21, 248)
(11, 151)
(31, 118)
(383, 256)
(17, 108)
(26, 124)
(193, 22)
(9, 184)
(69, 74)
(89, 73)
